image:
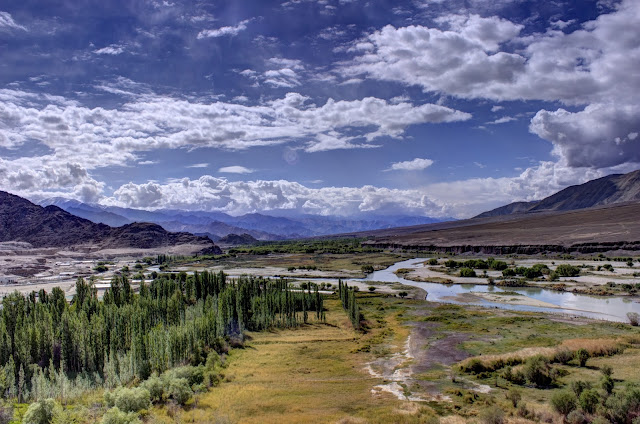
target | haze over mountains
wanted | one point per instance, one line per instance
(218, 224)
(50, 226)
(600, 215)
(609, 190)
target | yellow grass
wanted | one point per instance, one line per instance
(306, 375)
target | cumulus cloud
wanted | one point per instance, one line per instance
(601, 135)
(472, 57)
(416, 164)
(235, 169)
(211, 193)
(7, 23)
(224, 31)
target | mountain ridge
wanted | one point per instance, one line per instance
(52, 226)
(609, 190)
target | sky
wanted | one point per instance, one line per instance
(439, 108)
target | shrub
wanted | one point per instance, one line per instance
(537, 371)
(41, 412)
(634, 318)
(579, 386)
(492, 415)
(193, 375)
(607, 384)
(589, 400)
(451, 264)
(155, 386)
(606, 370)
(467, 272)
(432, 261)
(581, 356)
(128, 400)
(514, 395)
(509, 272)
(372, 289)
(116, 416)
(180, 391)
(403, 294)
(566, 270)
(563, 402)
(563, 356)
(576, 417)
(6, 414)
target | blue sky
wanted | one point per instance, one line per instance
(346, 107)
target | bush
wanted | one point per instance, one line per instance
(155, 386)
(467, 272)
(432, 261)
(538, 372)
(566, 270)
(563, 356)
(180, 391)
(509, 272)
(589, 400)
(116, 416)
(607, 384)
(41, 412)
(403, 294)
(606, 370)
(634, 318)
(579, 386)
(514, 395)
(128, 400)
(372, 289)
(576, 417)
(492, 415)
(6, 414)
(194, 375)
(563, 402)
(581, 356)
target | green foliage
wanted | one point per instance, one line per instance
(128, 400)
(41, 412)
(514, 395)
(179, 390)
(116, 416)
(607, 383)
(492, 415)
(467, 272)
(353, 245)
(432, 262)
(6, 414)
(563, 402)
(367, 269)
(566, 270)
(588, 400)
(155, 386)
(576, 417)
(538, 371)
(100, 268)
(579, 386)
(582, 355)
(348, 297)
(175, 320)
(621, 407)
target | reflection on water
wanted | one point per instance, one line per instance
(607, 308)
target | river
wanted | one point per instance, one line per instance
(610, 308)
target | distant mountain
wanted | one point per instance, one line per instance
(609, 190)
(235, 239)
(218, 224)
(51, 226)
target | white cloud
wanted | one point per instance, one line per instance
(502, 120)
(230, 31)
(496, 108)
(198, 165)
(594, 67)
(416, 164)
(148, 162)
(236, 169)
(112, 50)
(7, 22)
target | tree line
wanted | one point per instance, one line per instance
(47, 342)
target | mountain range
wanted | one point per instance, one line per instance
(599, 215)
(216, 225)
(51, 226)
(609, 190)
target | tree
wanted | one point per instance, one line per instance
(582, 356)
(403, 294)
(41, 412)
(563, 402)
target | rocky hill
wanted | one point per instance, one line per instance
(23, 221)
(609, 190)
